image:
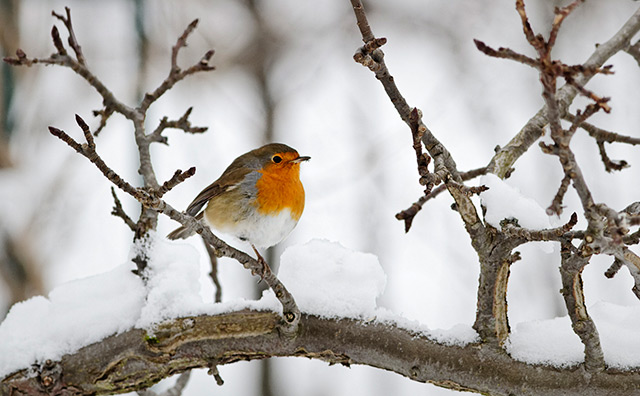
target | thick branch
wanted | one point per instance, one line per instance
(132, 360)
(634, 50)
(572, 291)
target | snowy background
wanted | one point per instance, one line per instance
(362, 170)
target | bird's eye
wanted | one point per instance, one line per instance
(276, 159)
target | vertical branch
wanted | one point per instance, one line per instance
(213, 258)
(492, 322)
(572, 291)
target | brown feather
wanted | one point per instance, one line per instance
(182, 232)
(229, 179)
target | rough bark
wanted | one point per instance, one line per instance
(135, 359)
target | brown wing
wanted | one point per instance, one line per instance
(182, 232)
(228, 181)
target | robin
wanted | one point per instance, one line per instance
(259, 198)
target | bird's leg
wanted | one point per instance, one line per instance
(265, 267)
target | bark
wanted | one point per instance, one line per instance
(135, 360)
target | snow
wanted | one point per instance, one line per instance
(459, 335)
(173, 286)
(329, 280)
(326, 279)
(552, 341)
(503, 201)
(74, 314)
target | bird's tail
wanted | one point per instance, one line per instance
(183, 232)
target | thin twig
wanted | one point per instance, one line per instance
(182, 123)
(178, 177)
(73, 42)
(104, 114)
(118, 211)
(556, 205)
(213, 371)
(213, 259)
(176, 73)
(609, 164)
(551, 234)
(602, 134)
(408, 214)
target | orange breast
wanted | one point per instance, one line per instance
(280, 188)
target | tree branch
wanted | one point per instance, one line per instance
(408, 214)
(118, 211)
(176, 73)
(572, 290)
(141, 359)
(371, 56)
(182, 123)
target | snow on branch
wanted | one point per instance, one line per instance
(189, 342)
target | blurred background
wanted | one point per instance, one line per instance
(285, 73)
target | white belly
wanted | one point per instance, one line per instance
(262, 231)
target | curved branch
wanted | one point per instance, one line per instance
(135, 360)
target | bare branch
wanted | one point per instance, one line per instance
(182, 123)
(73, 42)
(118, 211)
(176, 73)
(571, 273)
(374, 60)
(602, 134)
(363, 23)
(506, 53)
(408, 214)
(551, 234)
(213, 259)
(427, 178)
(634, 51)
(104, 114)
(88, 150)
(178, 177)
(213, 371)
(560, 15)
(610, 165)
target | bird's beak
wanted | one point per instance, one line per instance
(300, 159)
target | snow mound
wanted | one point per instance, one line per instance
(329, 280)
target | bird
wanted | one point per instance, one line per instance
(259, 198)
